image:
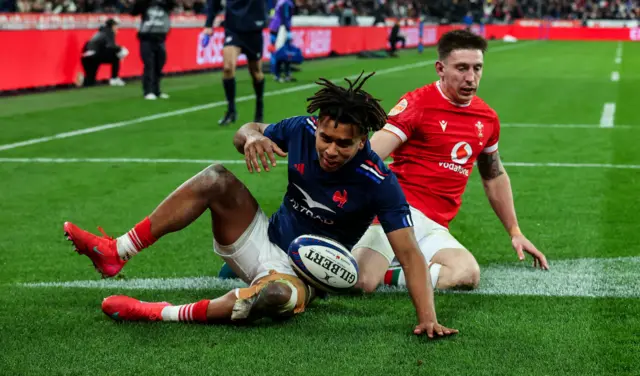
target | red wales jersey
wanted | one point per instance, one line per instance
(441, 142)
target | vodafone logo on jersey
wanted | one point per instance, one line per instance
(461, 152)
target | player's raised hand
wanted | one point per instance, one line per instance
(433, 329)
(257, 147)
(521, 244)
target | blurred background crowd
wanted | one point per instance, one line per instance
(442, 11)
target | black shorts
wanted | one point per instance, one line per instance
(251, 43)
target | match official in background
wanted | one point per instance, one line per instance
(152, 34)
(243, 24)
(102, 49)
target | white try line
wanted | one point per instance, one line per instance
(187, 110)
(607, 277)
(618, 58)
(242, 161)
(615, 76)
(608, 114)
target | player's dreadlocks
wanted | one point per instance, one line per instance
(350, 106)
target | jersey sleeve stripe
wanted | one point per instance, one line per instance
(490, 149)
(311, 123)
(311, 127)
(368, 174)
(373, 165)
(395, 130)
(374, 172)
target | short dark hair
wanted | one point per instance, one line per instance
(460, 40)
(348, 105)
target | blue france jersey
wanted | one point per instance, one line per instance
(339, 205)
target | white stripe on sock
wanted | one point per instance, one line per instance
(190, 312)
(136, 239)
(126, 248)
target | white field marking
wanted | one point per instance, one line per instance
(187, 110)
(560, 126)
(608, 114)
(618, 59)
(615, 76)
(606, 277)
(241, 161)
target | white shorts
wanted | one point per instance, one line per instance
(253, 255)
(430, 235)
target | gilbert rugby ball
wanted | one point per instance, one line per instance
(323, 263)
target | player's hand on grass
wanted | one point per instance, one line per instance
(521, 244)
(433, 329)
(257, 147)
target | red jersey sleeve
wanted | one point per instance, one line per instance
(492, 143)
(404, 117)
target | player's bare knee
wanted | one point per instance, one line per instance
(228, 69)
(216, 180)
(367, 283)
(468, 275)
(276, 294)
(273, 300)
(257, 75)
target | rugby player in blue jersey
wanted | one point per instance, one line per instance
(336, 186)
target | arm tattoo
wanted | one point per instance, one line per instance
(490, 166)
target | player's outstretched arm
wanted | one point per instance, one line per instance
(420, 288)
(384, 143)
(497, 187)
(251, 141)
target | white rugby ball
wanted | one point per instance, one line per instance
(323, 263)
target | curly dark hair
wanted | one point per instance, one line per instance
(348, 105)
(460, 40)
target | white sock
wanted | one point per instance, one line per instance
(126, 247)
(434, 270)
(178, 313)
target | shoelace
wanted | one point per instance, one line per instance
(104, 234)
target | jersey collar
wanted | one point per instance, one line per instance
(438, 83)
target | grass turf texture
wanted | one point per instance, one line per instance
(568, 212)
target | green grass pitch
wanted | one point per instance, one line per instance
(575, 186)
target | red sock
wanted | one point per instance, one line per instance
(140, 235)
(194, 312)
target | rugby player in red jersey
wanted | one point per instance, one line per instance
(435, 134)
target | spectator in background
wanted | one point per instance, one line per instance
(102, 49)
(468, 21)
(8, 6)
(348, 14)
(152, 34)
(280, 29)
(396, 37)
